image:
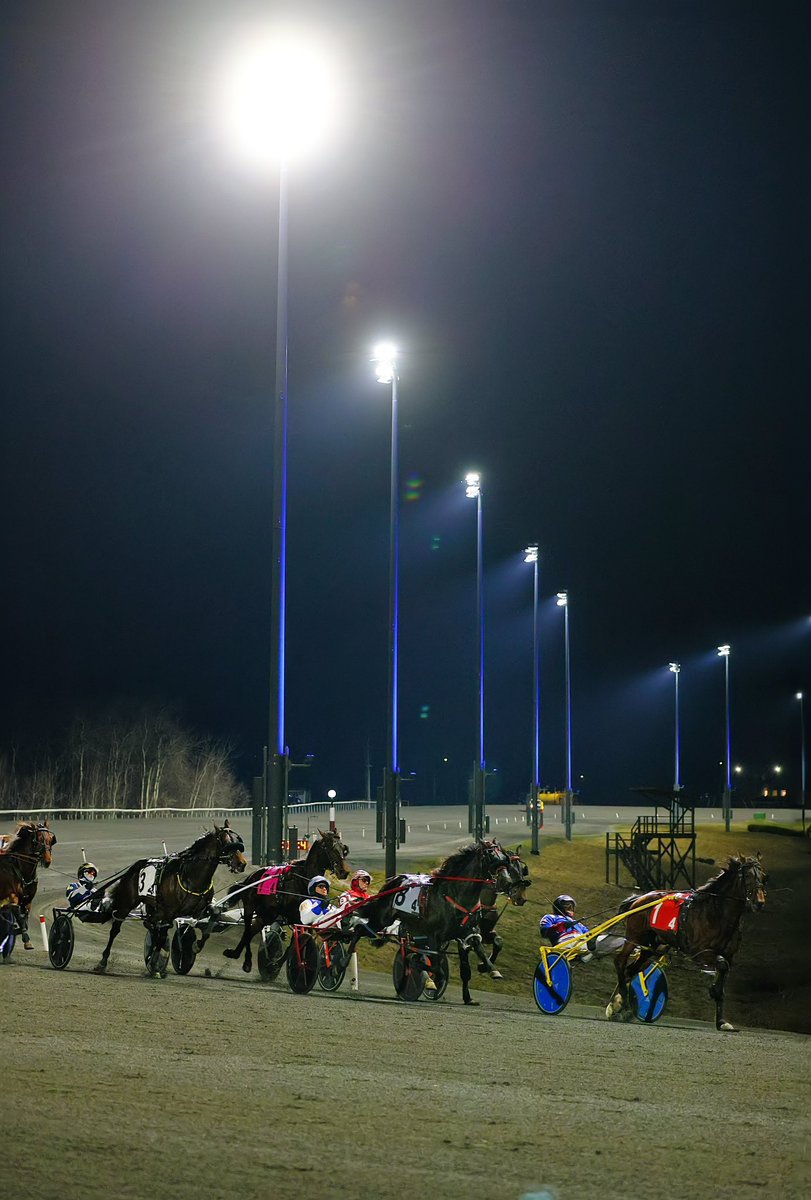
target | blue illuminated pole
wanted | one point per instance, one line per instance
(802, 758)
(723, 652)
(676, 669)
(385, 358)
(276, 769)
(531, 556)
(563, 602)
(478, 823)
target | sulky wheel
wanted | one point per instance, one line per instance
(409, 972)
(552, 984)
(183, 950)
(302, 962)
(8, 934)
(648, 994)
(270, 956)
(437, 963)
(333, 959)
(60, 942)
(155, 958)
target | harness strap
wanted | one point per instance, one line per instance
(181, 884)
(469, 912)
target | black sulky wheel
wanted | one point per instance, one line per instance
(409, 973)
(270, 955)
(436, 962)
(302, 962)
(60, 942)
(183, 950)
(333, 959)
(8, 934)
(156, 959)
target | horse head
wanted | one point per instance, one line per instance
(333, 853)
(45, 839)
(519, 879)
(754, 880)
(230, 848)
(507, 872)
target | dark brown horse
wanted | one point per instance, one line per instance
(327, 853)
(24, 851)
(451, 906)
(181, 886)
(491, 913)
(708, 931)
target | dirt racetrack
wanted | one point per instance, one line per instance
(126, 1086)
(121, 1085)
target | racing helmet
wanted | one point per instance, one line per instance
(316, 881)
(562, 903)
(361, 874)
(87, 873)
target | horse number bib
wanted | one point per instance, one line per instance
(147, 881)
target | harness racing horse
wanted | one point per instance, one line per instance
(327, 853)
(182, 888)
(708, 930)
(22, 853)
(491, 915)
(451, 905)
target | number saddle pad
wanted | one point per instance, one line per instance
(271, 879)
(149, 877)
(665, 916)
(412, 896)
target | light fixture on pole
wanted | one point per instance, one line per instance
(531, 556)
(385, 360)
(278, 97)
(563, 602)
(799, 696)
(676, 669)
(477, 820)
(723, 652)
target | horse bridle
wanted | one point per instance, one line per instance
(233, 846)
(754, 884)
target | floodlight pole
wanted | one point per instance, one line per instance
(531, 556)
(563, 602)
(723, 652)
(802, 759)
(676, 669)
(277, 759)
(391, 782)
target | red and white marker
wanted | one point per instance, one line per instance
(43, 931)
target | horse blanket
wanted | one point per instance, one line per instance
(665, 916)
(273, 876)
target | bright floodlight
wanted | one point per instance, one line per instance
(384, 358)
(279, 97)
(738, 770)
(777, 769)
(562, 599)
(723, 651)
(675, 668)
(798, 696)
(531, 553)
(473, 484)
(331, 794)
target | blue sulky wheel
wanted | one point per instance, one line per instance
(8, 934)
(648, 994)
(552, 984)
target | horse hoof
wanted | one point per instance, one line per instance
(247, 967)
(496, 975)
(99, 968)
(28, 946)
(472, 1003)
(231, 953)
(725, 1027)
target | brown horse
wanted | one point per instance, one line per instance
(23, 851)
(327, 853)
(708, 931)
(181, 887)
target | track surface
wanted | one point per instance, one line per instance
(220, 1087)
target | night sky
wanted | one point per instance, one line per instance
(584, 224)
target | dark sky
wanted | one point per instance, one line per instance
(585, 225)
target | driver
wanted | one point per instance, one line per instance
(82, 892)
(316, 909)
(561, 926)
(351, 901)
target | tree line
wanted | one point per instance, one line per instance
(138, 761)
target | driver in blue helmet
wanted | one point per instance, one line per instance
(83, 894)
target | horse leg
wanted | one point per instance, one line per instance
(244, 943)
(717, 991)
(101, 965)
(22, 925)
(619, 999)
(485, 962)
(496, 942)
(464, 972)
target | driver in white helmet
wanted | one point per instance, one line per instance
(82, 892)
(316, 909)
